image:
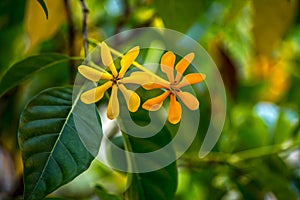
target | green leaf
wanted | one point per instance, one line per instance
(264, 172)
(103, 194)
(27, 67)
(285, 125)
(58, 140)
(177, 14)
(44, 6)
(160, 184)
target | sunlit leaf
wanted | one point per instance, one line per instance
(54, 150)
(271, 22)
(285, 125)
(103, 194)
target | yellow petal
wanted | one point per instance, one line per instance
(189, 100)
(107, 59)
(95, 94)
(146, 79)
(190, 79)
(132, 99)
(174, 115)
(167, 65)
(113, 104)
(93, 74)
(183, 64)
(150, 86)
(156, 102)
(138, 78)
(128, 59)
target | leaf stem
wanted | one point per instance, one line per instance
(242, 156)
(128, 149)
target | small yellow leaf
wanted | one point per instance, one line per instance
(37, 26)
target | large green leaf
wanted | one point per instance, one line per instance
(27, 67)
(161, 183)
(58, 140)
(177, 14)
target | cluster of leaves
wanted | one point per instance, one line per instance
(256, 47)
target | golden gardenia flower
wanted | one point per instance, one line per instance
(114, 79)
(173, 86)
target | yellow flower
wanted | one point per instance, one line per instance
(173, 86)
(114, 79)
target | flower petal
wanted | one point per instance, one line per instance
(128, 59)
(93, 74)
(150, 86)
(138, 78)
(183, 64)
(113, 109)
(107, 59)
(190, 79)
(145, 79)
(132, 99)
(167, 65)
(174, 115)
(156, 102)
(95, 94)
(189, 100)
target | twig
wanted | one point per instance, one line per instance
(71, 38)
(85, 12)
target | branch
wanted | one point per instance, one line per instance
(85, 12)
(71, 38)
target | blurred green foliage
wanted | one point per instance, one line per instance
(256, 46)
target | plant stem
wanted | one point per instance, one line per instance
(242, 156)
(128, 148)
(85, 12)
(71, 39)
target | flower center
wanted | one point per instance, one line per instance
(174, 87)
(115, 79)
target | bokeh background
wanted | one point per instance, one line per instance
(256, 46)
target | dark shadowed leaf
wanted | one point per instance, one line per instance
(178, 15)
(27, 67)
